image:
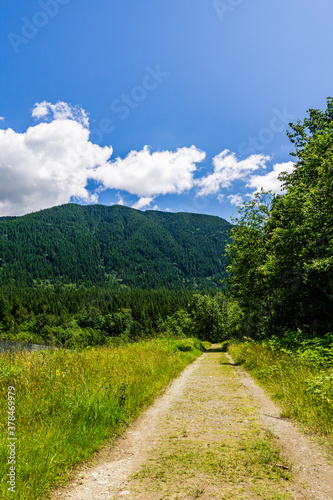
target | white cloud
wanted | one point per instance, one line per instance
(148, 174)
(47, 165)
(145, 201)
(2, 118)
(227, 168)
(60, 111)
(52, 162)
(270, 181)
(235, 199)
(120, 199)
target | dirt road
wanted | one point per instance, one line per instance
(214, 434)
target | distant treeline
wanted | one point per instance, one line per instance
(80, 317)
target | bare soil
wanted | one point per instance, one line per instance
(214, 434)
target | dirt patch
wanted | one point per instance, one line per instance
(213, 434)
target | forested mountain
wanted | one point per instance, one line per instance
(111, 246)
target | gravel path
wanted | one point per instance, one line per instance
(310, 466)
(208, 437)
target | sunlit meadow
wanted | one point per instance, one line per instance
(68, 403)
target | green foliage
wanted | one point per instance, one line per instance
(180, 324)
(71, 402)
(306, 348)
(70, 317)
(189, 344)
(281, 255)
(298, 377)
(321, 388)
(208, 317)
(112, 246)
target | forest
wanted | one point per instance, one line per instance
(113, 246)
(77, 276)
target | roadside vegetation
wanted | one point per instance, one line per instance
(281, 254)
(281, 281)
(69, 403)
(297, 371)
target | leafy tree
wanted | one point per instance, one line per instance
(209, 317)
(281, 256)
(247, 254)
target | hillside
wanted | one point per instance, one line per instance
(111, 245)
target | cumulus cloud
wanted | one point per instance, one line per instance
(145, 201)
(47, 165)
(120, 199)
(270, 181)
(236, 199)
(148, 174)
(60, 111)
(52, 162)
(227, 168)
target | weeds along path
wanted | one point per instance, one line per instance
(208, 437)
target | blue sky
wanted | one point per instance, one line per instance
(172, 105)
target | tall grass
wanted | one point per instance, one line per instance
(301, 387)
(68, 403)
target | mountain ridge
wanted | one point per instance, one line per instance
(110, 245)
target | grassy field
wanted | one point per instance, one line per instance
(301, 383)
(66, 404)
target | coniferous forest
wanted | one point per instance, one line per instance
(77, 276)
(108, 246)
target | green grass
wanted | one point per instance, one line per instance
(302, 388)
(68, 403)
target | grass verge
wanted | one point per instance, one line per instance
(68, 403)
(302, 388)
